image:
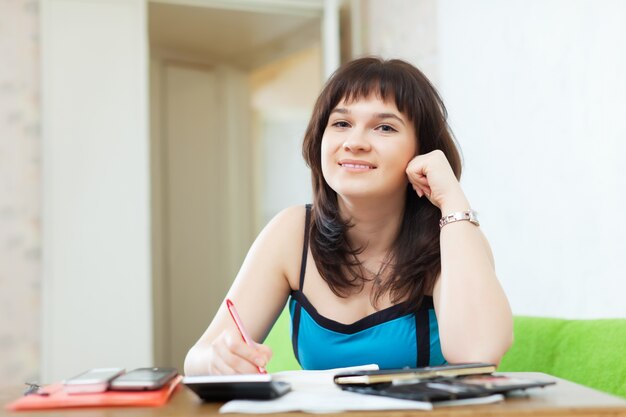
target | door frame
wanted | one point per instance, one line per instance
(326, 10)
(328, 13)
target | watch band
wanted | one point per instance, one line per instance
(469, 215)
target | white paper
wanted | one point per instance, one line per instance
(490, 399)
(315, 392)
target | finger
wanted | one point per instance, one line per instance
(418, 190)
(422, 190)
(418, 179)
(425, 193)
(417, 165)
(423, 183)
(420, 183)
(233, 363)
(242, 351)
(219, 367)
(264, 351)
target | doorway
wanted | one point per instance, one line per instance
(230, 85)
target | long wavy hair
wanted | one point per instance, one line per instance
(414, 261)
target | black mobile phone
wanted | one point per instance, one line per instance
(143, 379)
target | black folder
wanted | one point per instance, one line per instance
(447, 388)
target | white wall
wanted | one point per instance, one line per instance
(286, 179)
(537, 98)
(96, 217)
(283, 96)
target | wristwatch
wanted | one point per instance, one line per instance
(469, 215)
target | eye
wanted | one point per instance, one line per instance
(386, 129)
(341, 124)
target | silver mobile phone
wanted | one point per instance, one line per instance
(143, 379)
(92, 381)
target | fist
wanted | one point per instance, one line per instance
(431, 175)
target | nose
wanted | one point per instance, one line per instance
(356, 141)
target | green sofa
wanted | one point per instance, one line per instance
(589, 352)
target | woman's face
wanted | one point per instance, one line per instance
(366, 148)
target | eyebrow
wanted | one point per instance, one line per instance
(375, 115)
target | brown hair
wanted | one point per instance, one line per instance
(415, 260)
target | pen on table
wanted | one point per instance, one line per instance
(242, 330)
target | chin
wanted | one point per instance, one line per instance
(358, 192)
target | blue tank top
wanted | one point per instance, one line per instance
(390, 337)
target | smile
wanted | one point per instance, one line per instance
(357, 165)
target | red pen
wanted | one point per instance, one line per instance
(242, 330)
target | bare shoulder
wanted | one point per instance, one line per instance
(286, 223)
(284, 235)
(292, 216)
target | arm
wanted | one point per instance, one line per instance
(259, 291)
(474, 316)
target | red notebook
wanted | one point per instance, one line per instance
(58, 398)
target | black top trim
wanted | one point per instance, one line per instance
(296, 331)
(378, 317)
(422, 333)
(305, 246)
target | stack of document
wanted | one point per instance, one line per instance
(315, 392)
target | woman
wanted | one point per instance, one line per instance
(389, 265)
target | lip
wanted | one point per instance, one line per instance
(356, 164)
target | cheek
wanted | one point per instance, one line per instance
(403, 156)
(408, 157)
(326, 155)
(410, 151)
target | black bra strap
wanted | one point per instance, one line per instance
(305, 246)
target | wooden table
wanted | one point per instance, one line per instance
(563, 399)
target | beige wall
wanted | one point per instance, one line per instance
(20, 189)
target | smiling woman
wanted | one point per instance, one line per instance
(371, 272)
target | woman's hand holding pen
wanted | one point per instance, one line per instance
(431, 175)
(229, 354)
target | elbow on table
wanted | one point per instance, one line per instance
(481, 352)
(191, 365)
(187, 367)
